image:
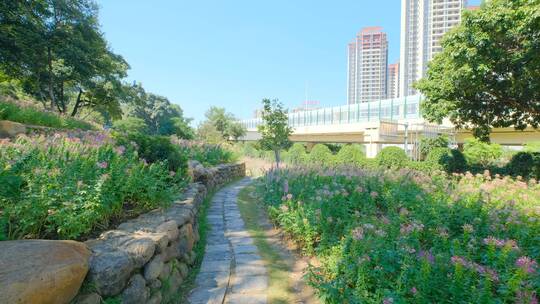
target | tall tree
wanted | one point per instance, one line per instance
(488, 73)
(236, 130)
(223, 122)
(158, 113)
(275, 130)
(56, 50)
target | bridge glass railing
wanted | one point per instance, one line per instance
(388, 109)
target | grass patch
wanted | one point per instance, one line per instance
(32, 116)
(279, 289)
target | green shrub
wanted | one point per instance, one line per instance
(351, 154)
(296, 154)
(32, 116)
(521, 164)
(525, 164)
(155, 149)
(429, 143)
(321, 155)
(392, 157)
(481, 153)
(210, 155)
(206, 154)
(533, 146)
(449, 160)
(423, 166)
(130, 125)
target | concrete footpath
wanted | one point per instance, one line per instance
(232, 271)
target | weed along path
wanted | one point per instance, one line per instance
(245, 260)
(232, 270)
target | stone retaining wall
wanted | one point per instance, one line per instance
(146, 259)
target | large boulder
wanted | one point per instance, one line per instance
(11, 129)
(41, 271)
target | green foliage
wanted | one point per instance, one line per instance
(160, 116)
(297, 154)
(487, 73)
(275, 130)
(65, 186)
(208, 133)
(11, 87)
(351, 154)
(130, 125)
(449, 160)
(532, 146)
(525, 164)
(58, 53)
(408, 237)
(429, 143)
(392, 157)
(219, 119)
(220, 126)
(31, 116)
(236, 130)
(320, 154)
(481, 153)
(157, 149)
(206, 154)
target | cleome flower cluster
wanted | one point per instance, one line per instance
(68, 184)
(402, 236)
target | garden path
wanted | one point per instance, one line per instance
(232, 271)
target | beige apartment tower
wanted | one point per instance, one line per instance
(393, 81)
(367, 66)
(423, 23)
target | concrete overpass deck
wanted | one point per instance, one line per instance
(375, 124)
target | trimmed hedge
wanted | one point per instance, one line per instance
(449, 160)
(392, 157)
(296, 154)
(351, 154)
(525, 164)
(321, 155)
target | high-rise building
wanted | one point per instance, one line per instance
(393, 81)
(368, 60)
(423, 23)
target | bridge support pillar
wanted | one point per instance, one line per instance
(372, 149)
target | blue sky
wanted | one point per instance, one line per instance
(234, 53)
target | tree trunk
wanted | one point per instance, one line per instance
(51, 84)
(276, 153)
(62, 101)
(77, 103)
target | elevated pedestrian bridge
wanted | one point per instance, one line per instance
(395, 121)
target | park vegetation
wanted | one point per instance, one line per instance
(275, 130)
(404, 236)
(487, 75)
(106, 149)
(220, 126)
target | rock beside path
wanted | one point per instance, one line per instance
(41, 271)
(11, 129)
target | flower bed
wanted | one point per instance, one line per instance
(67, 185)
(402, 236)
